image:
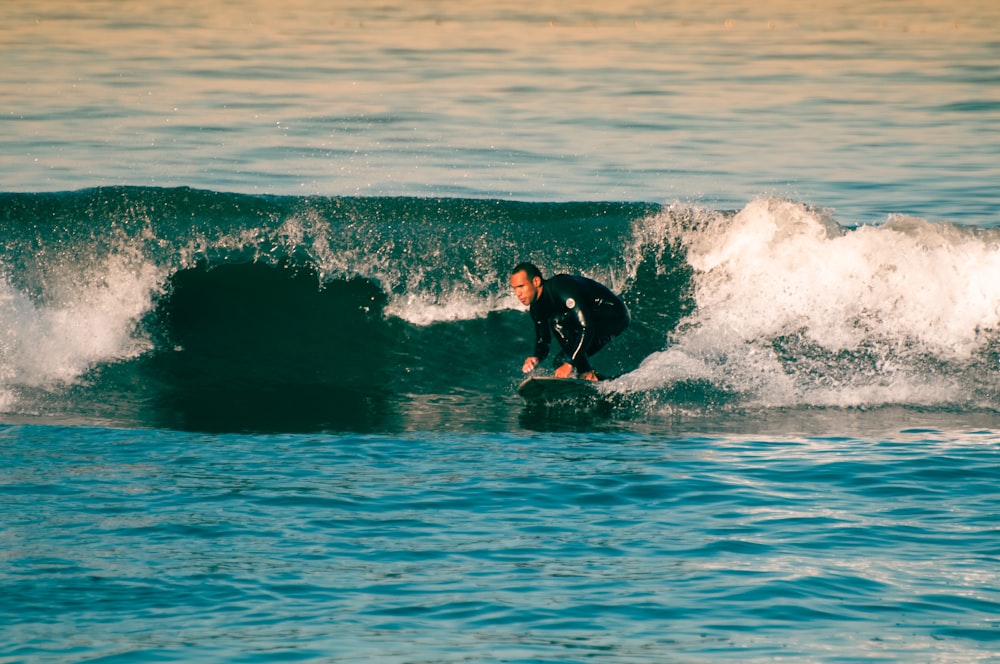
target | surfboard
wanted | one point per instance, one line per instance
(549, 389)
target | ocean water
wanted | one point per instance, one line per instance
(258, 351)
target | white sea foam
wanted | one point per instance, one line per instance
(456, 306)
(93, 320)
(793, 308)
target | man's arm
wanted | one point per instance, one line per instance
(543, 337)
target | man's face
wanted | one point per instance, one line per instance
(526, 290)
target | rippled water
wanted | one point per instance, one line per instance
(520, 547)
(867, 108)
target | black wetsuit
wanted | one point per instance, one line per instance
(583, 314)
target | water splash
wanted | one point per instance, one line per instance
(96, 321)
(792, 309)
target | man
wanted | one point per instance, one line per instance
(583, 314)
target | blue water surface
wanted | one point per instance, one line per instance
(159, 546)
(866, 108)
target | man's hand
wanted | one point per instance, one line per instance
(565, 371)
(529, 365)
(590, 375)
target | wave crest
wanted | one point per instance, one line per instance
(793, 309)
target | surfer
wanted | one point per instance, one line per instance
(583, 314)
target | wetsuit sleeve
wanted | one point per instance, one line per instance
(542, 338)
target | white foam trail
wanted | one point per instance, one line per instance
(862, 309)
(426, 309)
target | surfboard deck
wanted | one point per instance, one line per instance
(548, 389)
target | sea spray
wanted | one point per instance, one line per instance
(95, 321)
(793, 309)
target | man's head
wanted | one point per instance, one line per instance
(526, 280)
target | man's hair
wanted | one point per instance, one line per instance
(529, 269)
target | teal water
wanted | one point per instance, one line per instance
(258, 352)
(866, 108)
(160, 546)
